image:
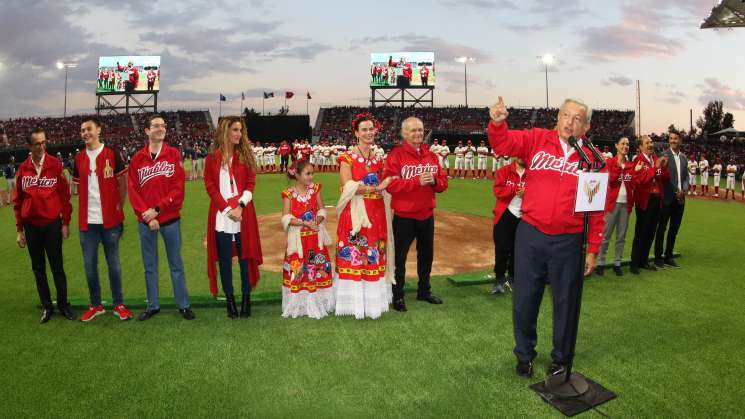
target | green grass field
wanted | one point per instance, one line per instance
(668, 343)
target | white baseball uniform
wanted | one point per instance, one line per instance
(731, 171)
(703, 167)
(483, 153)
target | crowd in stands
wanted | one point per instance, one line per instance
(120, 131)
(334, 123)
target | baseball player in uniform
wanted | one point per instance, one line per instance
(703, 167)
(270, 153)
(435, 148)
(717, 171)
(259, 153)
(731, 171)
(445, 156)
(460, 152)
(483, 153)
(692, 166)
(470, 153)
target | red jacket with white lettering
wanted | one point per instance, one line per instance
(409, 199)
(43, 199)
(156, 182)
(109, 167)
(245, 180)
(649, 181)
(548, 203)
(506, 184)
(617, 176)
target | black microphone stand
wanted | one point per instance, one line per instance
(568, 385)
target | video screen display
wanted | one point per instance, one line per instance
(402, 69)
(127, 74)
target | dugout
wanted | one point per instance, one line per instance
(276, 128)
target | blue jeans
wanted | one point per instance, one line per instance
(224, 242)
(171, 234)
(89, 241)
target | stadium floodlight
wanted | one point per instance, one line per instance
(547, 60)
(65, 66)
(465, 60)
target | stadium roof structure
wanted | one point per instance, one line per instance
(726, 14)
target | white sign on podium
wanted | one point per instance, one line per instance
(592, 189)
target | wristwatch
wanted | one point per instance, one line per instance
(157, 209)
(241, 204)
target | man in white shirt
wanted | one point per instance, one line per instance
(483, 153)
(673, 202)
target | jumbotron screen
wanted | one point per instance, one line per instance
(402, 69)
(128, 74)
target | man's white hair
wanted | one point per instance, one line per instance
(588, 110)
(408, 120)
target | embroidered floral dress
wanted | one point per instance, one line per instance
(361, 289)
(307, 281)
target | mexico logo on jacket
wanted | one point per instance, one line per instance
(41, 182)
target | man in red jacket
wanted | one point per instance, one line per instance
(413, 204)
(548, 241)
(648, 201)
(42, 208)
(156, 192)
(99, 172)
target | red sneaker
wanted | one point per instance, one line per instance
(91, 313)
(122, 312)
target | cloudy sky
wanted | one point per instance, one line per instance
(324, 47)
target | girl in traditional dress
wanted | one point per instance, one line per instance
(307, 276)
(363, 286)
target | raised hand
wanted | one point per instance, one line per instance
(498, 111)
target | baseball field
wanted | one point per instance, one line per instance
(668, 343)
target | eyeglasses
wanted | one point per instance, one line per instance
(39, 144)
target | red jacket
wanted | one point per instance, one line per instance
(43, 199)
(245, 180)
(109, 167)
(285, 150)
(616, 177)
(409, 198)
(156, 183)
(506, 184)
(649, 180)
(548, 204)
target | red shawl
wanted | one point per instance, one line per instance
(245, 180)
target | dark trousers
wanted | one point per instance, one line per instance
(224, 243)
(644, 231)
(405, 231)
(503, 235)
(673, 214)
(540, 258)
(47, 240)
(283, 160)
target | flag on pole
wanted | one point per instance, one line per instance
(243, 96)
(289, 95)
(222, 98)
(307, 95)
(268, 95)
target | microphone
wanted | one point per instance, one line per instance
(595, 153)
(573, 142)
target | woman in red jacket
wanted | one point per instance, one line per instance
(509, 186)
(618, 203)
(230, 177)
